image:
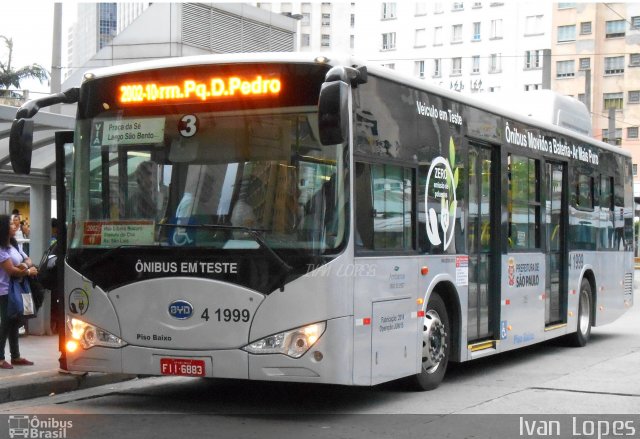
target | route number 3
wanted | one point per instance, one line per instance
(188, 125)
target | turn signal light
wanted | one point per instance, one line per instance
(72, 346)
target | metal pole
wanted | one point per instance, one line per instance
(587, 89)
(546, 69)
(612, 126)
(56, 54)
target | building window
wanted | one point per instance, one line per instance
(496, 4)
(477, 5)
(326, 19)
(391, 66)
(613, 65)
(419, 67)
(582, 98)
(634, 59)
(496, 28)
(615, 28)
(325, 40)
(475, 64)
(635, 169)
(566, 5)
(421, 8)
(306, 19)
(389, 41)
(632, 133)
(495, 63)
(634, 96)
(456, 66)
(565, 69)
(635, 22)
(533, 25)
(566, 33)
(353, 20)
(420, 37)
(456, 33)
(388, 10)
(437, 64)
(533, 59)
(458, 6)
(585, 63)
(529, 87)
(437, 36)
(606, 138)
(305, 40)
(585, 28)
(613, 100)
(352, 41)
(476, 31)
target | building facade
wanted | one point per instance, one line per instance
(95, 27)
(165, 30)
(596, 58)
(470, 47)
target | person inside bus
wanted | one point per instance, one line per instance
(142, 202)
(13, 263)
(243, 212)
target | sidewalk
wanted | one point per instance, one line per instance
(44, 378)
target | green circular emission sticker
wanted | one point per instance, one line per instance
(78, 301)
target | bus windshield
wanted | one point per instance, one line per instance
(208, 179)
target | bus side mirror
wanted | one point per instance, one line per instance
(333, 112)
(20, 144)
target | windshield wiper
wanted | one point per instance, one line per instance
(254, 233)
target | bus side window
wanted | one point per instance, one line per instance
(364, 207)
(524, 203)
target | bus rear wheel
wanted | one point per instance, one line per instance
(583, 332)
(435, 345)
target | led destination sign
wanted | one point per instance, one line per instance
(216, 88)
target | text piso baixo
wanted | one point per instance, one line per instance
(187, 267)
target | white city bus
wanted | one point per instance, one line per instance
(291, 218)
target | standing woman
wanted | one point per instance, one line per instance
(13, 263)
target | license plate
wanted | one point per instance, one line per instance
(182, 367)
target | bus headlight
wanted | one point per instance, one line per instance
(293, 343)
(89, 336)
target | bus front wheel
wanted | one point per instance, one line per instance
(435, 345)
(583, 332)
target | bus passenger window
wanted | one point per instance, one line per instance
(524, 203)
(384, 216)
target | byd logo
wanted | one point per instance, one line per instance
(180, 309)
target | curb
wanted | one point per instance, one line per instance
(55, 382)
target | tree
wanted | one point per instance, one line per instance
(11, 77)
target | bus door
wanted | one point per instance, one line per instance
(555, 290)
(483, 240)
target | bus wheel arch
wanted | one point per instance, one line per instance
(586, 311)
(440, 333)
(591, 278)
(449, 295)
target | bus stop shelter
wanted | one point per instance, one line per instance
(36, 188)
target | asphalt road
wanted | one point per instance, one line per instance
(516, 394)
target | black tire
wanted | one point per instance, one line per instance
(583, 327)
(436, 346)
